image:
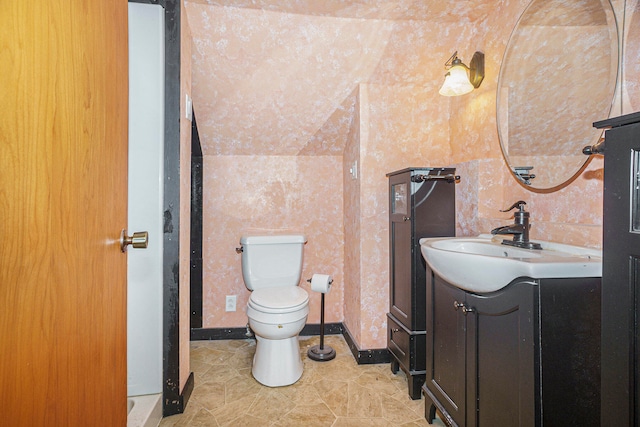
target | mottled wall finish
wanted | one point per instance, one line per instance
(467, 196)
(573, 214)
(185, 198)
(631, 64)
(275, 89)
(394, 10)
(397, 136)
(270, 195)
(352, 239)
(265, 82)
(290, 94)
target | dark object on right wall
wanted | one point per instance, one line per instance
(621, 272)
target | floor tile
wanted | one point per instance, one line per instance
(336, 393)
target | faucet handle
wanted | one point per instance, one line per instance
(519, 204)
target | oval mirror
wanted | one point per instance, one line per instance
(558, 76)
(632, 58)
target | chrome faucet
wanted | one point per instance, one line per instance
(519, 229)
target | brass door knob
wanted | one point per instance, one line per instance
(139, 240)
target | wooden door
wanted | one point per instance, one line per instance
(63, 196)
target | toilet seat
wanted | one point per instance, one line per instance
(278, 300)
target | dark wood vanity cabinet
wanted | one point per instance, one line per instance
(621, 272)
(421, 204)
(472, 335)
(527, 355)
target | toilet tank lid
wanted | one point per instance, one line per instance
(272, 240)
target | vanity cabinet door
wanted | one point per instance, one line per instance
(525, 356)
(446, 349)
(501, 364)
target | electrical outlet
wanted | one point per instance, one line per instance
(230, 303)
(353, 170)
(188, 108)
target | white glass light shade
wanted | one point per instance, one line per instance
(456, 82)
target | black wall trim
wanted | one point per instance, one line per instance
(213, 334)
(329, 329)
(186, 392)
(363, 357)
(197, 178)
(173, 401)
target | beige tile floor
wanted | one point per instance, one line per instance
(337, 393)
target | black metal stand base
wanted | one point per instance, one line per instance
(321, 354)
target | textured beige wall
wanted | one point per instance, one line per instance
(631, 65)
(571, 215)
(352, 241)
(398, 135)
(289, 101)
(270, 194)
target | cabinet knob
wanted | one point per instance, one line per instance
(406, 218)
(395, 330)
(465, 309)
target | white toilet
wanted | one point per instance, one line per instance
(277, 308)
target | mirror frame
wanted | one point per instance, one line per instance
(575, 174)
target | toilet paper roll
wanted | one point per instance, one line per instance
(321, 283)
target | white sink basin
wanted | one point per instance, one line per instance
(482, 264)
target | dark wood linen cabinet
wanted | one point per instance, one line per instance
(421, 204)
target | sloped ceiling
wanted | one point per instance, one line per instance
(425, 10)
(271, 77)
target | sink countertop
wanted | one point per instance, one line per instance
(482, 264)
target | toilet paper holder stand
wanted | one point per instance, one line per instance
(321, 353)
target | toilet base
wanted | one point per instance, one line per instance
(277, 363)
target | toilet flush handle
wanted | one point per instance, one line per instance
(139, 240)
(239, 250)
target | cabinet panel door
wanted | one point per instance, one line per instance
(621, 278)
(446, 347)
(434, 213)
(401, 271)
(400, 245)
(501, 375)
(570, 320)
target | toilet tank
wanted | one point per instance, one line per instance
(269, 261)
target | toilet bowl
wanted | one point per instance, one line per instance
(277, 308)
(276, 317)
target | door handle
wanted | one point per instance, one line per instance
(139, 240)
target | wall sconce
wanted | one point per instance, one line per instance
(461, 79)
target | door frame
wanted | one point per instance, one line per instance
(174, 352)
